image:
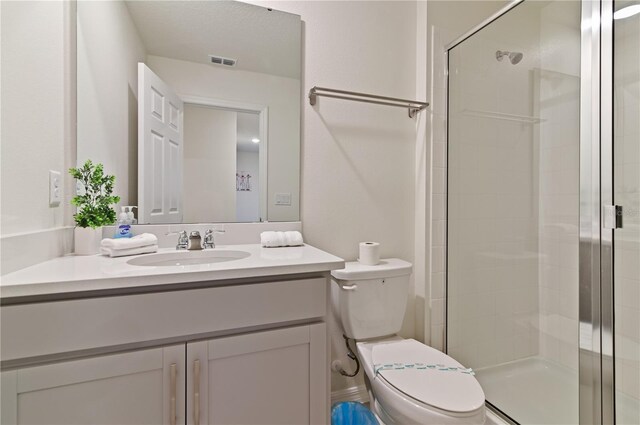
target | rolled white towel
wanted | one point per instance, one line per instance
(130, 251)
(269, 239)
(294, 238)
(272, 239)
(137, 241)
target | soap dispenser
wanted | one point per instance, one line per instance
(132, 219)
(123, 227)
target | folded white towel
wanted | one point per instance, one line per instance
(272, 239)
(130, 251)
(137, 241)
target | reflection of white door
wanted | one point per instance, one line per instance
(160, 146)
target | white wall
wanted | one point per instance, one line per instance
(248, 202)
(209, 173)
(358, 159)
(206, 81)
(108, 92)
(36, 130)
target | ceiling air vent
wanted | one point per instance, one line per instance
(219, 60)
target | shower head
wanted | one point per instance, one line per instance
(514, 57)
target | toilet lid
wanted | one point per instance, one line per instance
(428, 375)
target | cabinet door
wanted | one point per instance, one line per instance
(271, 377)
(139, 387)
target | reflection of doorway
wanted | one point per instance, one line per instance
(240, 157)
(248, 167)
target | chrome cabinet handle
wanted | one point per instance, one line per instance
(349, 287)
(196, 392)
(172, 396)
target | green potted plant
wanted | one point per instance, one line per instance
(93, 200)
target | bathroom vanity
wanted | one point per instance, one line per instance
(99, 340)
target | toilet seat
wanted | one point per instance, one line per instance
(404, 395)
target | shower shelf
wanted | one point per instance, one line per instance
(502, 116)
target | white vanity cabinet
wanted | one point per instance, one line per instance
(244, 352)
(268, 377)
(271, 377)
(138, 387)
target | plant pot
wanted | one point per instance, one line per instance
(87, 240)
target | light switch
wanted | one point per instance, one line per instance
(55, 188)
(283, 199)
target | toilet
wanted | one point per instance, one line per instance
(408, 382)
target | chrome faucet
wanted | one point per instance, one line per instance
(195, 241)
(209, 241)
(183, 239)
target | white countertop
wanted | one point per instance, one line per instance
(72, 273)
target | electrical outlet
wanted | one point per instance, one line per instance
(55, 188)
(283, 199)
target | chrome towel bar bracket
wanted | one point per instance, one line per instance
(412, 106)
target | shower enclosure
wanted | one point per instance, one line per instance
(543, 206)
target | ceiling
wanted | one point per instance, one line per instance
(261, 40)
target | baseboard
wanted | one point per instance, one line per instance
(358, 393)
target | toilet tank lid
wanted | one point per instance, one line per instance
(388, 267)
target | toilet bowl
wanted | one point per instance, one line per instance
(408, 382)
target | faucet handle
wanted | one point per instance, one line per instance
(180, 233)
(209, 241)
(183, 239)
(210, 231)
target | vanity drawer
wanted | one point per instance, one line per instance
(57, 327)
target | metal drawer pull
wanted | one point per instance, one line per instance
(173, 401)
(196, 392)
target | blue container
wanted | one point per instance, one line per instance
(352, 413)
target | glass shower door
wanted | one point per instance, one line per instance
(626, 191)
(513, 209)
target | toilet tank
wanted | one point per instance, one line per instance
(371, 300)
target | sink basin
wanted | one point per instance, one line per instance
(187, 258)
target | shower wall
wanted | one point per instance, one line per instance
(557, 140)
(513, 210)
(626, 144)
(513, 190)
(493, 301)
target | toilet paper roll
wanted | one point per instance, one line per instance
(369, 253)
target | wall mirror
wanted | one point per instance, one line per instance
(194, 106)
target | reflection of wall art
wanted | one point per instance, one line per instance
(243, 181)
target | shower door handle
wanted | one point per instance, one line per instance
(612, 217)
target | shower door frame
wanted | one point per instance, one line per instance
(596, 314)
